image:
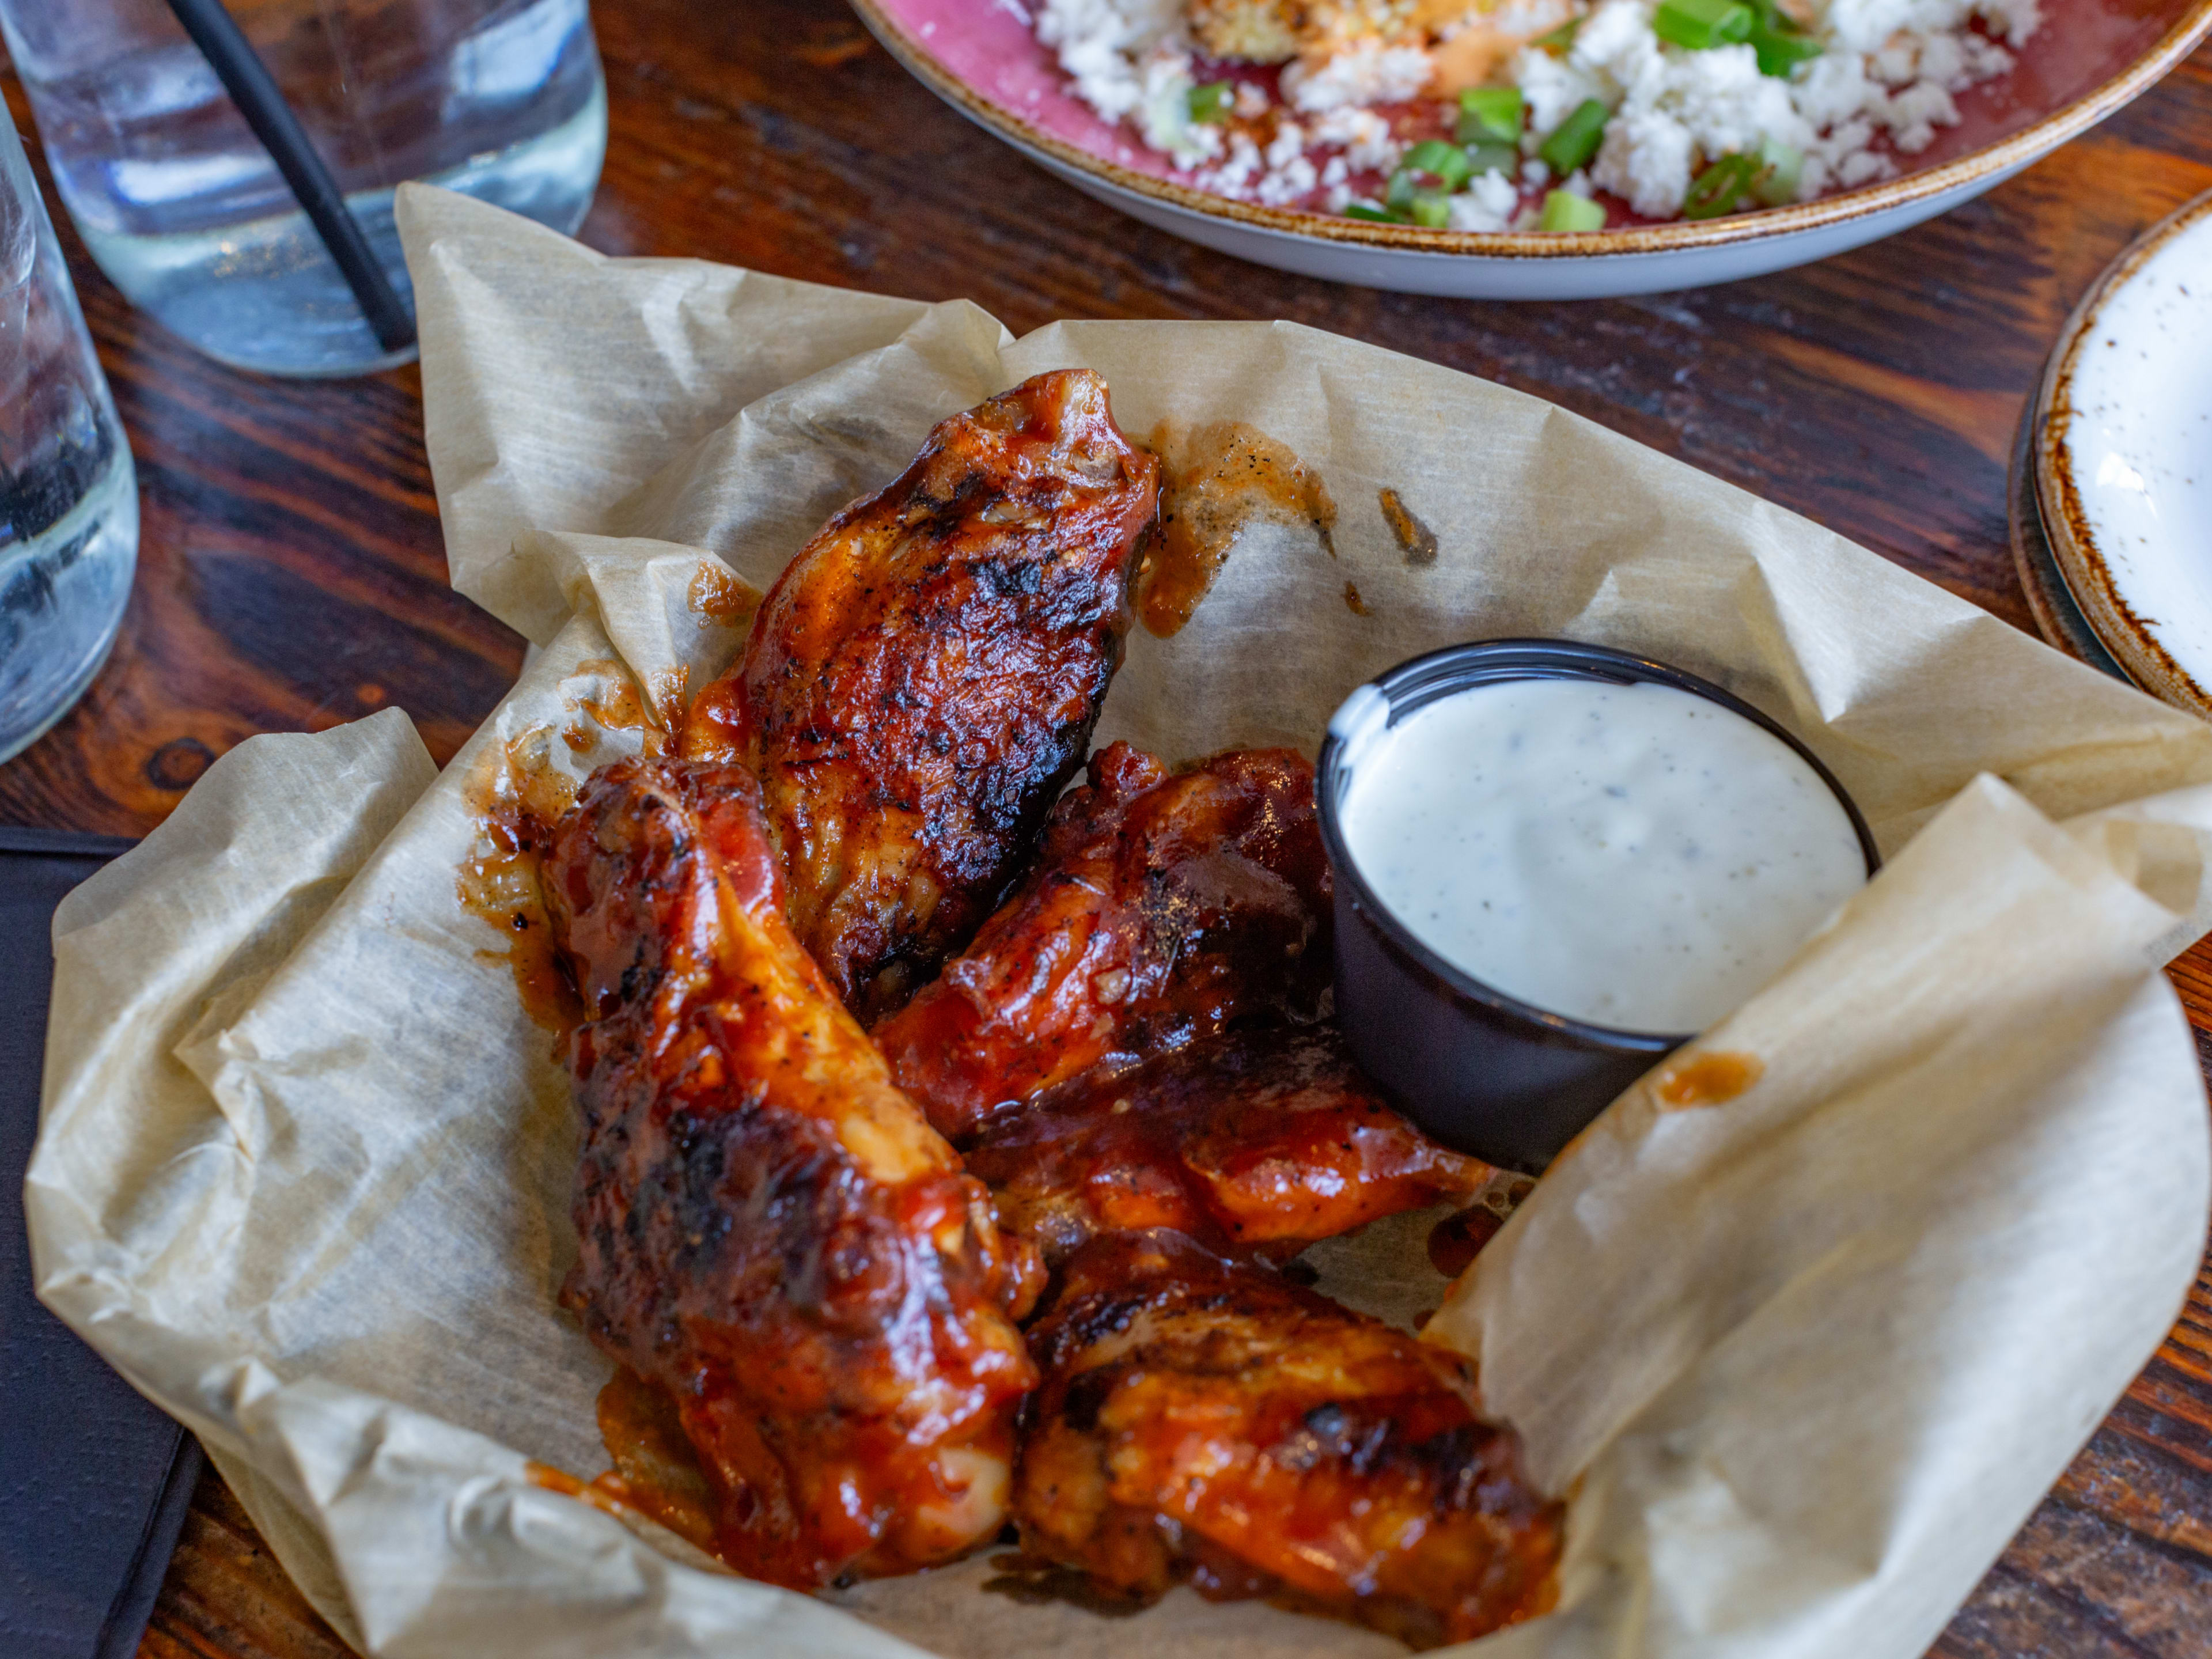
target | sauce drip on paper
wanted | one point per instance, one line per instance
(515, 797)
(1214, 481)
(515, 800)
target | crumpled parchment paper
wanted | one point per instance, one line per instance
(1805, 1359)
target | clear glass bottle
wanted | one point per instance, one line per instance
(68, 498)
(180, 205)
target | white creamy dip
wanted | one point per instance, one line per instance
(1633, 856)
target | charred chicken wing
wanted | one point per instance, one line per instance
(1162, 906)
(1202, 1419)
(1254, 1142)
(923, 678)
(770, 1233)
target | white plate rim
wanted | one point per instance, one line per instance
(2066, 519)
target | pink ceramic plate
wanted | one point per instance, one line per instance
(2089, 57)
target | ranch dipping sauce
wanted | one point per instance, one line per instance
(1630, 856)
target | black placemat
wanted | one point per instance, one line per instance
(94, 1481)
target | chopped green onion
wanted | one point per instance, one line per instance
(1700, 25)
(1564, 210)
(1781, 167)
(1213, 102)
(1398, 193)
(1561, 40)
(1781, 50)
(1719, 187)
(1446, 162)
(1432, 209)
(1373, 216)
(1489, 112)
(1493, 158)
(1576, 139)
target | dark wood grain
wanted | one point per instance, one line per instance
(291, 575)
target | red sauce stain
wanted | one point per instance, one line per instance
(515, 800)
(1455, 1242)
(1419, 541)
(623, 710)
(722, 598)
(656, 1472)
(1214, 481)
(1353, 603)
(1706, 1079)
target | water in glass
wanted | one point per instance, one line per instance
(181, 206)
(69, 501)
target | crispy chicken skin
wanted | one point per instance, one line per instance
(769, 1231)
(1253, 1142)
(1162, 906)
(1203, 1419)
(923, 678)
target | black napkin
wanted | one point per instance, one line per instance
(94, 1481)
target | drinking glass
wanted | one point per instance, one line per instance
(183, 208)
(69, 499)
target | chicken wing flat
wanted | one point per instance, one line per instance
(1211, 1421)
(770, 1233)
(922, 679)
(1162, 906)
(1256, 1142)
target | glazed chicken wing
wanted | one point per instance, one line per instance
(1162, 906)
(770, 1233)
(1254, 1142)
(923, 678)
(1202, 1419)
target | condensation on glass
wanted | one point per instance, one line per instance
(503, 99)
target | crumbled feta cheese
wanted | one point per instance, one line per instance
(1363, 136)
(1488, 203)
(1368, 72)
(1889, 75)
(1101, 43)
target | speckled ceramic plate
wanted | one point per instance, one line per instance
(2124, 459)
(2089, 59)
(2058, 617)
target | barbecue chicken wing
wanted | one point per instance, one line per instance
(923, 678)
(770, 1233)
(1202, 1419)
(1162, 906)
(1254, 1142)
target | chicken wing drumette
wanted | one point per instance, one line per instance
(923, 678)
(1206, 1420)
(1162, 906)
(1256, 1142)
(771, 1234)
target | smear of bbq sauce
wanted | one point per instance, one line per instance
(622, 709)
(1707, 1079)
(1416, 537)
(515, 796)
(1455, 1240)
(655, 1471)
(1214, 481)
(516, 799)
(722, 598)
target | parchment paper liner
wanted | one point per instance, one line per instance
(1806, 1358)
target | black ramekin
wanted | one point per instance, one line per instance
(1477, 1069)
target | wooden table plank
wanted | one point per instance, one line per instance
(291, 575)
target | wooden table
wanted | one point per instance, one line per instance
(291, 575)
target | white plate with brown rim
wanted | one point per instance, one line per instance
(2088, 59)
(2124, 458)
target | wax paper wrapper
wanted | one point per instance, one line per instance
(1803, 1359)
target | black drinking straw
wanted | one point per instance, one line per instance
(247, 78)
